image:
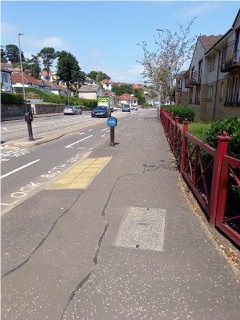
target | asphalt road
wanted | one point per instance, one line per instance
(17, 129)
(26, 170)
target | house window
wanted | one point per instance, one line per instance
(197, 96)
(238, 45)
(5, 77)
(233, 92)
(221, 91)
(210, 93)
(200, 64)
(212, 62)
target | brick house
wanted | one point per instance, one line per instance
(212, 83)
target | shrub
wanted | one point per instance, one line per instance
(11, 98)
(59, 99)
(232, 127)
(199, 129)
(184, 112)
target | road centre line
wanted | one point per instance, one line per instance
(18, 169)
(78, 141)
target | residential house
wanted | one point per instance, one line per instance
(193, 82)
(51, 77)
(212, 83)
(6, 77)
(56, 88)
(89, 81)
(90, 91)
(107, 84)
(30, 82)
(127, 99)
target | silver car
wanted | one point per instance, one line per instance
(72, 110)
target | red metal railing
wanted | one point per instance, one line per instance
(228, 215)
(207, 172)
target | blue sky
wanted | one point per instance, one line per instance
(103, 35)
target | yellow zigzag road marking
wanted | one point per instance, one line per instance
(81, 175)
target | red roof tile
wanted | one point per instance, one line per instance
(209, 41)
(17, 78)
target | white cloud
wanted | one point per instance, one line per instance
(196, 10)
(9, 29)
(55, 42)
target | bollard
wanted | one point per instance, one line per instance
(29, 119)
(112, 122)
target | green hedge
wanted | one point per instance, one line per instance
(232, 128)
(58, 99)
(11, 98)
(184, 112)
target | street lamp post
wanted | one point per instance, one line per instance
(20, 55)
(160, 87)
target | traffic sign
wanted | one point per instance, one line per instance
(112, 121)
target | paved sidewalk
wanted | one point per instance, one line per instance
(129, 246)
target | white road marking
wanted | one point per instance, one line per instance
(18, 169)
(69, 146)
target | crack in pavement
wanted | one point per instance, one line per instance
(111, 192)
(85, 279)
(41, 242)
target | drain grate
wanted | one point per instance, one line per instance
(143, 229)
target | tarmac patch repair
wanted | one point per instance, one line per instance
(142, 229)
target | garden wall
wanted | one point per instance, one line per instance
(19, 110)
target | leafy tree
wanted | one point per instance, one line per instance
(32, 67)
(139, 93)
(47, 55)
(98, 76)
(68, 70)
(162, 65)
(12, 54)
(3, 55)
(124, 88)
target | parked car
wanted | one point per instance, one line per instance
(126, 108)
(72, 110)
(134, 107)
(101, 112)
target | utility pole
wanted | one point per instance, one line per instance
(20, 56)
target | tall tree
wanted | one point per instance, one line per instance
(98, 76)
(3, 55)
(161, 66)
(32, 67)
(12, 53)
(124, 88)
(68, 70)
(139, 93)
(47, 55)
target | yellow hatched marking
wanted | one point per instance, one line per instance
(81, 175)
